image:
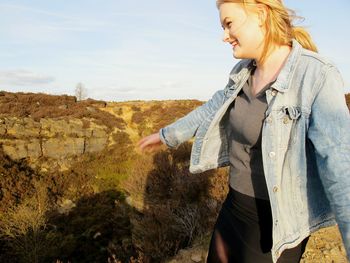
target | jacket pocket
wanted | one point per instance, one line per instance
(290, 125)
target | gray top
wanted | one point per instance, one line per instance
(243, 127)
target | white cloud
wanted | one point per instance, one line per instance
(23, 78)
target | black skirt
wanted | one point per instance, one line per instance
(243, 233)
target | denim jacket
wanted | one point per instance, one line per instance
(305, 145)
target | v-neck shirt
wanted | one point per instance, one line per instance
(244, 126)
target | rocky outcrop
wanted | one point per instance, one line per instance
(55, 139)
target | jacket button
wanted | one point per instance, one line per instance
(275, 189)
(273, 93)
(272, 154)
(277, 253)
(285, 119)
(269, 120)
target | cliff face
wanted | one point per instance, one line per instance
(55, 139)
(50, 130)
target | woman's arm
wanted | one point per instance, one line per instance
(329, 131)
(185, 128)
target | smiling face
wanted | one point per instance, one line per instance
(243, 30)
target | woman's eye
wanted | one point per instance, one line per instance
(229, 24)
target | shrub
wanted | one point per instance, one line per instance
(16, 181)
(137, 117)
(171, 203)
(94, 230)
(24, 227)
(135, 108)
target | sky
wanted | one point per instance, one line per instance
(139, 50)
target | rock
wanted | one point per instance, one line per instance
(22, 128)
(91, 109)
(57, 139)
(197, 257)
(97, 235)
(2, 130)
(65, 206)
(182, 252)
(128, 200)
(212, 204)
(16, 149)
(60, 127)
(98, 132)
(63, 107)
(62, 147)
(33, 148)
(95, 144)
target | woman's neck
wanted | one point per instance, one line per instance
(269, 69)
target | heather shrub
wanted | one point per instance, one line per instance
(171, 203)
(137, 117)
(156, 116)
(39, 105)
(121, 139)
(135, 108)
(97, 228)
(16, 181)
(24, 227)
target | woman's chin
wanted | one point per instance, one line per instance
(236, 55)
(239, 55)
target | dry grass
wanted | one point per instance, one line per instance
(24, 226)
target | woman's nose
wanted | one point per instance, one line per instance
(226, 36)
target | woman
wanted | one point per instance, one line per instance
(282, 125)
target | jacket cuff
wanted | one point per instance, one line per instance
(163, 139)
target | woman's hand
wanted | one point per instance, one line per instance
(150, 142)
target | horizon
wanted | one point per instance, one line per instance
(152, 51)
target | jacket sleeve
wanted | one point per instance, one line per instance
(185, 128)
(329, 131)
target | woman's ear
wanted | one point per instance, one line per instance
(262, 14)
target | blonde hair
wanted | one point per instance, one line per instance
(278, 25)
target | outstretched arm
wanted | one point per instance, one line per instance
(185, 128)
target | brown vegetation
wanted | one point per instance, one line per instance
(151, 118)
(16, 181)
(174, 206)
(42, 105)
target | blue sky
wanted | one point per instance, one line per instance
(138, 50)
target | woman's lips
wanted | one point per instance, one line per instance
(234, 44)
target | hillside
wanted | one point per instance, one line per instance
(74, 187)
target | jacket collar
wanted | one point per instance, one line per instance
(284, 77)
(286, 74)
